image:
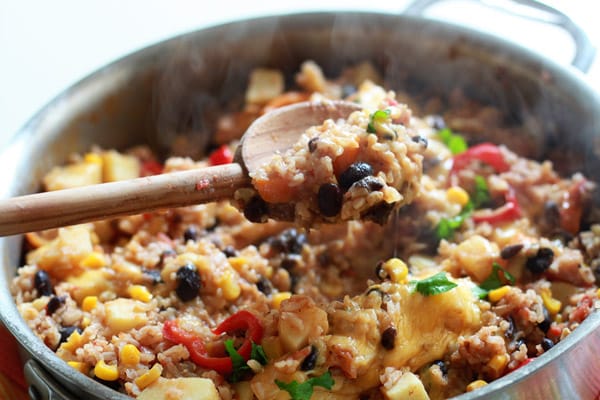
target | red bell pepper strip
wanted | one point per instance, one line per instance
(222, 155)
(507, 212)
(485, 152)
(151, 167)
(242, 320)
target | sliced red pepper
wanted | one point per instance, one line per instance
(507, 212)
(222, 155)
(242, 320)
(524, 363)
(485, 152)
(151, 167)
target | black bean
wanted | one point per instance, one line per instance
(370, 183)
(437, 122)
(312, 144)
(329, 199)
(310, 361)
(347, 90)
(288, 263)
(421, 140)
(388, 338)
(547, 322)
(378, 213)
(289, 241)
(230, 251)
(547, 344)
(115, 385)
(153, 275)
(67, 331)
(256, 210)
(191, 233)
(42, 283)
(294, 279)
(54, 304)
(354, 173)
(511, 251)
(188, 282)
(264, 285)
(509, 333)
(541, 261)
(442, 365)
(163, 256)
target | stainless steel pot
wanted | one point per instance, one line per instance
(182, 83)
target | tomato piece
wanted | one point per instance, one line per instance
(222, 155)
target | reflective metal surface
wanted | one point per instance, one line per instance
(182, 84)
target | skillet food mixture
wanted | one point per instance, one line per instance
(454, 277)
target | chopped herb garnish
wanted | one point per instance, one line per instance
(499, 277)
(304, 390)
(455, 142)
(447, 226)
(378, 116)
(481, 196)
(240, 366)
(435, 284)
(479, 292)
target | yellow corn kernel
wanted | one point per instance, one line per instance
(498, 363)
(279, 297)
(106, 372)
(92, 158)
(149, 377)
(79, 366)
(496, 294)
(89, 303)
(552, 305)
(231, 289)
(139, 292)
(85, 322)
(93, 260)
(73, 342)
(129, 355)
(238, 263)
(598, 293)
(457, 195)
(476, 385)
(396, 269)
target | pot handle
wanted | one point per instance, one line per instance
(42, 386)
(584, 49)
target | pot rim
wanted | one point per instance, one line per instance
(562, 73)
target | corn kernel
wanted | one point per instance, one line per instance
(476, 385)
(457, 195)
(149, 377)
(552, 305)
(79, 366)
(93, 260)
(139, 292)
(238, 263)
(598, 293)
(396, 269)
(85, 322)
(496, 294)
(279, 297)
(231, 289)
(92, 158)
(129, 355)
(89, 303)
(74, 341)
(498, 363)
(106, 372)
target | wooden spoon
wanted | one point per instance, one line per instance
(275, 131)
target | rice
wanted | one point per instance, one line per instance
(438, 272)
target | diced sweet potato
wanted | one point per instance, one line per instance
(117, 166)
(74, 175)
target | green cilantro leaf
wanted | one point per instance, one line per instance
(494, 280)
(447, 226)
(240, 368)
(258, 354)
(304, 390)
(435, 284)
(479, 292)
(377, 117)
(456, 143)
(482, 193)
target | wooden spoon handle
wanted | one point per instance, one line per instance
(89, 203)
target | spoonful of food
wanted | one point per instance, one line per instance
(310, 163)
(274, 132)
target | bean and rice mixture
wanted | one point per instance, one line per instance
(491, 260)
